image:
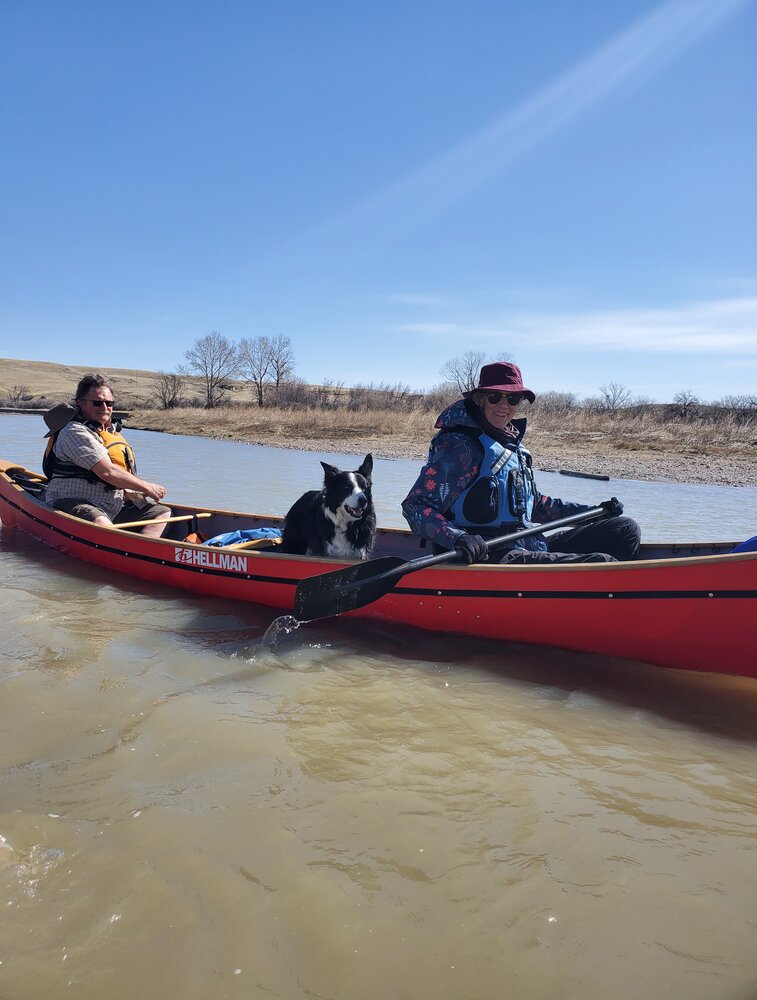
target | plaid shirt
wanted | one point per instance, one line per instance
(80, 445)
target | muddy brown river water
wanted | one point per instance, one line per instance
(190, 810)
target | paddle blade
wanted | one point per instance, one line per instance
(345, 589)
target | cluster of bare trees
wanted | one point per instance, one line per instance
(263, 363)
(614, 399)
(267, 366)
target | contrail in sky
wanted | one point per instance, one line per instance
(635, 54)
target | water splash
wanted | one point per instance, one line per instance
(279, 627)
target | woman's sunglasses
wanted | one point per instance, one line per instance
(100, 402)
(513, 398)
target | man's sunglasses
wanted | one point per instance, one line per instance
(100, 402)
(513, 398)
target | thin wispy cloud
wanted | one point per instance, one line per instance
(632, 57)
(416, 299)
(427, 328)
(725, 326)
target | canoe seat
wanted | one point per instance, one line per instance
(26, 480)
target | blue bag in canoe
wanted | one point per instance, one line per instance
(246, 535)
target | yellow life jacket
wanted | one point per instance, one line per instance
(119, 451)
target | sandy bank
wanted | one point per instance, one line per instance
(589, 453)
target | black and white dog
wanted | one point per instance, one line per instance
(337, 521)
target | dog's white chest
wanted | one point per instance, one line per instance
(340, 548)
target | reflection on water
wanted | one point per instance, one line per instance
(193, 806)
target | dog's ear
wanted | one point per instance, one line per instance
(367, 467)
(330, 470)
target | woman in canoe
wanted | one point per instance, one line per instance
(91, 468)
(479, 483)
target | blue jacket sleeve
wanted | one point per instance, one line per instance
(548, 509)
(453, 464)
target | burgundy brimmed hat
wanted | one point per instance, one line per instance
(501, 377)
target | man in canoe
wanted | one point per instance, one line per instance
(478, 483)
(91, 468)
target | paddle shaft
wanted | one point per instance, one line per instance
(165, 520)
(328, 594)
(492, 543)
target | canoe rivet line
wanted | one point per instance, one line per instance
(520, 595)
(438, 593)
(710, 595)
(609, 595)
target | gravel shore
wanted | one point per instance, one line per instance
(587, 454)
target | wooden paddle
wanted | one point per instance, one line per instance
(255, 543)
(165, 520)
(343, 590)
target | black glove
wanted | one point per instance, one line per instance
(472, 548)
(613, 506)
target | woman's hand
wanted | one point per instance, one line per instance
(472, 548)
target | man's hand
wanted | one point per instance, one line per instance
(613, 506)
(472, 548)
(154, 491)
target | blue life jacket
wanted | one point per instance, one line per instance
(501, 499)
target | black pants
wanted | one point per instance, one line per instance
(609, 540)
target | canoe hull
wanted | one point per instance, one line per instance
(690, 613)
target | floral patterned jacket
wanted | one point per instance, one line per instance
(454, 460)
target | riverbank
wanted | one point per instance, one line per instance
(614, 451)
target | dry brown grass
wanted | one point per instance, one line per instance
(638, 443)
(383, 432)
(622, 446)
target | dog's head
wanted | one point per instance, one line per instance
(348, 494)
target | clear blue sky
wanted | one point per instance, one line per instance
(389, 184)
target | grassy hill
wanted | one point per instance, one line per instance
(49, 383)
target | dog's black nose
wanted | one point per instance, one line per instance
(362, 501)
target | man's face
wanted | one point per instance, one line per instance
(91, 405)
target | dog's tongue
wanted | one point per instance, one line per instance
(355, 512)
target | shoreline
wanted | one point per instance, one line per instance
(591, 454)
(583, 455)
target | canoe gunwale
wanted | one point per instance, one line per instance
(653, 610)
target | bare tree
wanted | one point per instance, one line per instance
(170, 390)
(614, 396)
(256, 363)
(17, 394)
(463, 371)
(741, 409)
(282, 360)
(687, 403)
(215, 360)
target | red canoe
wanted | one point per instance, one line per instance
(692, 606)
